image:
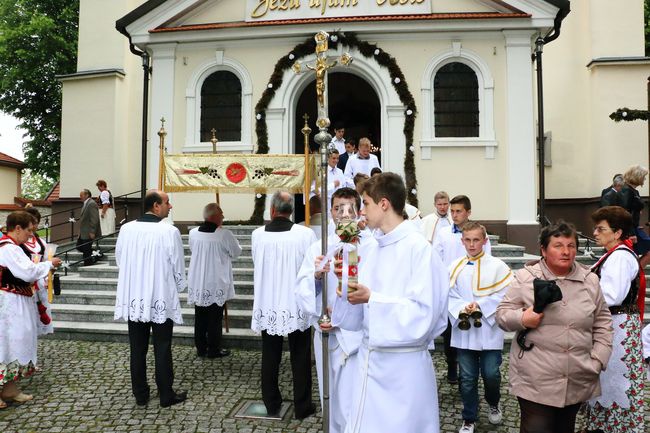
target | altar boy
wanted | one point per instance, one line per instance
(399, 307)
(477, 282)
(343, 345)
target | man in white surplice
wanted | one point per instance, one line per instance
(343, 345)
(477, 282)
(278, 251)
(400, 304)
(151, 261)
(432, 224)
(210, 283)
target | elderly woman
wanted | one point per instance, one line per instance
(630, 200)
(18, 314)
(620, 406)
(571, 339)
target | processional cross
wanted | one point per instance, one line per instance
(323, 139)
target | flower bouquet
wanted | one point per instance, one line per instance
(347, 229)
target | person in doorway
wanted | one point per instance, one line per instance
(210, 282)
(350, 150)
(362, 162)
(338, 140)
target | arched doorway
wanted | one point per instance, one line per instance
(353, 102)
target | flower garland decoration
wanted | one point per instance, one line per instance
(366, 49)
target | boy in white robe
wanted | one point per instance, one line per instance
(362, 162)
(645, 337)
(278, 252)
(210, 283)
(151, 264)
(335, 178)
(400, 309)
(432, 224)
(449, 246)
(343, 344)
(477, 282)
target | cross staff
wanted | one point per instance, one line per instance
(323, 139)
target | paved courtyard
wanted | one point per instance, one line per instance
(85, 387)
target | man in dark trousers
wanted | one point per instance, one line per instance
(89, 227)
(278, 251)
(150, 256)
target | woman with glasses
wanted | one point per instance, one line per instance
(620, 406)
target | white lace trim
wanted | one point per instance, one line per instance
(281, 322)
(206, 297)
(613, 381)
(159, 312)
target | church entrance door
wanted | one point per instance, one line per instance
(353, 103)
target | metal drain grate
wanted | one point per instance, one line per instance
(255, 409)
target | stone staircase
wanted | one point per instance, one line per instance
(84, 310)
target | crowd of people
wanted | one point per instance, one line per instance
(578, 331)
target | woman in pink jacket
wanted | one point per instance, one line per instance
(571, 339)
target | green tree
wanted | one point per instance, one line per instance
(38, 40)
(35, 186)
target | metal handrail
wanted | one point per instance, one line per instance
(63, 255)
(72, 220)
(588, 251)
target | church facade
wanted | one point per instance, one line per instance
(447, 86)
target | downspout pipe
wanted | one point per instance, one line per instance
(146, 68)
(552, 35)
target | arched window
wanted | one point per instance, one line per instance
(456, 101)
(221, 107)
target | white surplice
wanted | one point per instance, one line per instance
(395, 386)
(343, 344)
(356, 165)
(645, 336)
(209, 279)
(277, 257)
(462, 293)
(449, 245)
(34, 247)
(151, 263)
(18, 314)
(431, 225)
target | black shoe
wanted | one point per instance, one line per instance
(201, 354)
(310, 411)
(219, 353)
(179, 397)
(452, 376)
(142, 401)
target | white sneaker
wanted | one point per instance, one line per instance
(494, 415)
(468, 427)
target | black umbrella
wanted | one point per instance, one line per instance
(546, 292)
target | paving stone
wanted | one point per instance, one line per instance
(84, 387)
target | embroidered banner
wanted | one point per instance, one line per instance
(236, 172)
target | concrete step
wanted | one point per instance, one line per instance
(75, 282)
(107, 297)
(104, 313)
(107, 271)
(118, 332)
(240, 262)
(506, 250)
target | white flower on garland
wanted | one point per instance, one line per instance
(377, 52)
(409, 112)
(258, 116)
(291, 56)
(270, 86)
(412, 148)
(624, 114)
(334, 38)
(414, 191)
(258, 195)
(397, 80)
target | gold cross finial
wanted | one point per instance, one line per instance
(214, 140)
